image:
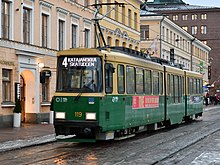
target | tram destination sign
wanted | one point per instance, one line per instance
(79, 61)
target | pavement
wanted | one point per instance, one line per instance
(25, 136)
(34, 134)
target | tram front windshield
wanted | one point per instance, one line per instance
(79, 74)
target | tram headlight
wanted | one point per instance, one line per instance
(60, 115)
(90, 116)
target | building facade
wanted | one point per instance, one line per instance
(33, 31)
(121, 22)
(163, 38)
(199, 21)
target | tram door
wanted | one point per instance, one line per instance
(22, 85)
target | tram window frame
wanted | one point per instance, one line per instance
(109, 70)
(148, 81)
(121, 79)
(139, 76)
(130, 80)
(155, 82)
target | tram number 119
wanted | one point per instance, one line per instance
(78, 114)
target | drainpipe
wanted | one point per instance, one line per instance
(191, 67)
(161, 28)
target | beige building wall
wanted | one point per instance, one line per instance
(121, 27)
(165, 35)
(22, 59)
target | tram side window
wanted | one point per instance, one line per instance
(172, 87)
(156, 83)
(190, 85)
(180, 89)
(109, 70)
(130, 80)
(194, 86)
(183, 86)
(168, 84)
(176, 89)
(121, 79)
(198, 86)
(139, 80)
(161, 84)
(148, 82)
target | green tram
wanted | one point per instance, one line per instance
(114, 93)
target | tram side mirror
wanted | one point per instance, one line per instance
(110, 68)
(42, 77)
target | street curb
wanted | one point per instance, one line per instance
(17, 144)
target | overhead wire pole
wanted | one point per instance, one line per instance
(96, 21)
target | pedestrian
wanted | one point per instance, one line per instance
(216, 99)
(206, 99)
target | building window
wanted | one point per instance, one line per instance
(135, 21)
(203, 29)
(185, 28)
(129, 17)
(194, 16)
(5, 19)
(203, 16)
(116, 42)
(6, 85)
(45, 90)
(26, 25)
(109, 41)
(194, 29)
(184, 17)
(44, 30)
(144, 32)
(123, 14)
(175, 17)
(74, 35)
(86, 39)
(109, 8)
(116, 11)
(61, 35)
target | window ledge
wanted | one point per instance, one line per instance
(45, 103)
(7, 104)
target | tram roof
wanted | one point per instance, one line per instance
(80, 51)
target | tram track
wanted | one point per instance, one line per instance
(171, 144)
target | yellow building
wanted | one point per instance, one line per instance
(121, 24)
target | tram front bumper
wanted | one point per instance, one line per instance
(82, 128)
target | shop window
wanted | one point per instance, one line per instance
(6, 85)
(45, 90)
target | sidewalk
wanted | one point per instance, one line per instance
(34, 134)
(26, 135)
